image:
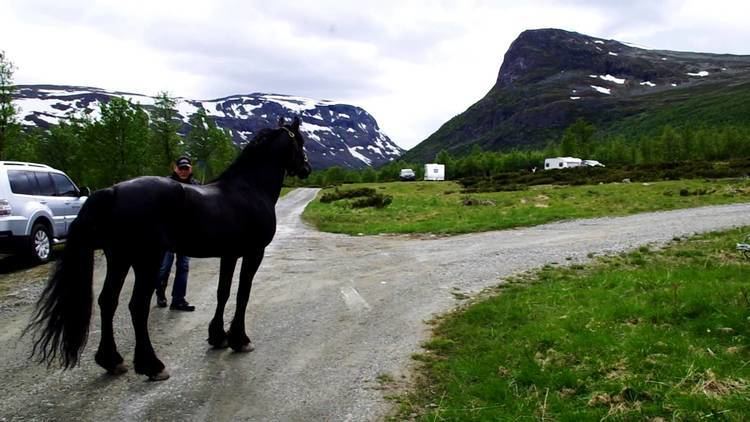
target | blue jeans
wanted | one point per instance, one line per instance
(182, 267)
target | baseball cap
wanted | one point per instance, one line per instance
(183, 161)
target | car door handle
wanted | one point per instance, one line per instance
(42, 202)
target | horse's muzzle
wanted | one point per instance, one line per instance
(302, 172)
(306, 170)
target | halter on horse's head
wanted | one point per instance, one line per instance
(297, 163)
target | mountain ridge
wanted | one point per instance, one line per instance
(337, 134)
(550, 77)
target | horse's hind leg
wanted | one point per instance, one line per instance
(238, 339)
(145, 360)
(216, 335)
(107, 356)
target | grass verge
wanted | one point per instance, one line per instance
(648, 335)
(286, 190)
(441, 207)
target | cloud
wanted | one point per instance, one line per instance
(412, 64)
(255, 60)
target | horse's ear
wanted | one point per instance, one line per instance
(296, 122)
(281, 121)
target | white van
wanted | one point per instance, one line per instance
(37, 205)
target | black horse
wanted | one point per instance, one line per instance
(136, 221)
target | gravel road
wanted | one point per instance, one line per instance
(328, 315)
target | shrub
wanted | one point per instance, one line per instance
(362, 197)
(596, 175)
(378, 201)
(346, 194)
(469, 201)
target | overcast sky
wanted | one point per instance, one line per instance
(412, 64)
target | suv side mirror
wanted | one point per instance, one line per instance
(84, 191)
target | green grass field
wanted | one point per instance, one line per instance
(285, 190)
(649, 335)
(439, 207)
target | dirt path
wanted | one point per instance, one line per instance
(328, 315)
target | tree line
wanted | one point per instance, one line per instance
(691, 142)
(123, 142)
(581, 139)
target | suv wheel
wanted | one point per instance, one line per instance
(40, 247)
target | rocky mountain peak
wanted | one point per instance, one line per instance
(549, 78)
(540, 53)
(555, 55)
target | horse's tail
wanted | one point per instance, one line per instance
(61, 320)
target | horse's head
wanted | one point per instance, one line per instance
(296, 163)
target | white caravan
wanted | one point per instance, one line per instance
(562, 163)
(434, 172)
(569, 162)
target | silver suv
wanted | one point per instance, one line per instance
(37, 205)
(407, 175)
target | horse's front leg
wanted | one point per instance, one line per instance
(238, 339)
(216, 335)
(145, 360)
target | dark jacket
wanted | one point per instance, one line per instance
(191, 180)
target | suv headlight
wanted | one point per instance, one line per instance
(5, 208)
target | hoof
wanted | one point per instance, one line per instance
(111, 362)
(219, 344)
(119, 369)
(161, 376)
(245, 348)
(240, 343)
(217, 337)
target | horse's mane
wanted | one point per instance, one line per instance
(259, 140)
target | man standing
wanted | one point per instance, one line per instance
(183, 173)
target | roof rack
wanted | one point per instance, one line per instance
(23, 164)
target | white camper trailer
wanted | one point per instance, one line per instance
(434, 172)
(562, 163)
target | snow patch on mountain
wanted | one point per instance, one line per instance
(611, 78)
(354, 151)
(602, 89)
(327, 125)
